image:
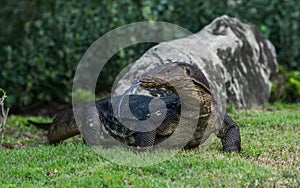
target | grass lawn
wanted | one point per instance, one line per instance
(270, 158)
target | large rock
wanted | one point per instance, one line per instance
(235, 57)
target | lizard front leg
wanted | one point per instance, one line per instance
(144, 141)
(230, 135)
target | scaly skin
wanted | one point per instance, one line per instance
(64, 125)
(189, 81)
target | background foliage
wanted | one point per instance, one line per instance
(43, 41)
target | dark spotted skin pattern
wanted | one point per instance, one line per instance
(64, 125)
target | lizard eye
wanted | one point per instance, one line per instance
(187, 71)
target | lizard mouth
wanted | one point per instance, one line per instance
(150, 82)
(147, 84)
(154, 84)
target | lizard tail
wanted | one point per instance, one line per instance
(44, 126)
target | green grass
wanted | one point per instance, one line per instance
(270, 158)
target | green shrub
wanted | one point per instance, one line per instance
(293, 85)
(286, 86)
(43, 41)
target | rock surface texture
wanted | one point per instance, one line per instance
(236, 59)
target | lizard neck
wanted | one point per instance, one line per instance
(188, 90)
(194, 96)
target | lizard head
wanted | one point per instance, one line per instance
(166, 75)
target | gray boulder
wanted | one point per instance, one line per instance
(234, 56)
